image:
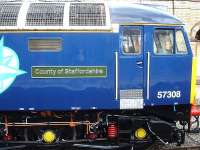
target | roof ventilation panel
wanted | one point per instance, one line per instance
(5, 1)
(87, 14)
(9, 13)
(45, 14)
(57, 0)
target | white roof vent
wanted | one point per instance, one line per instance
(57, 0)
(45, 14)
(51, 15)
(9, 13)
(3, 1)
(87, 14)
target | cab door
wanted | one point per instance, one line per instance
(168, 67)
(131, 67)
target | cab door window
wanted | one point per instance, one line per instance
(131, 41)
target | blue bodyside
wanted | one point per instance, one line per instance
(167, 73)
(78, 49)
(128, 68)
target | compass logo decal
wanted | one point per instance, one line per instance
(9, 66)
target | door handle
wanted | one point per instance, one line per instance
(139, 64)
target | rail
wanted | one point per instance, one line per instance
(184, 147)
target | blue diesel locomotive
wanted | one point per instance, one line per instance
(96, 75)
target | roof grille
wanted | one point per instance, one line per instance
(3, 1)
(9, 13)
(45, 14)
(87, 14)
(57, 0)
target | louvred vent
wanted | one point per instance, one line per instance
(87, 14)
(9, 13)
(45, 14)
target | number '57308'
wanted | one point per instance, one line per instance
(168, 94)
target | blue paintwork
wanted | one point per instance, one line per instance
(78, 49)
(123, 13)
(167, 73)
(128, 68)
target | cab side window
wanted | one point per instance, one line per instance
(131, 41)
(180, 43)
(163, 42)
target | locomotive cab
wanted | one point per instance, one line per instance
(95, 75)
(154, 56)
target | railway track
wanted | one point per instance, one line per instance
(185, 147)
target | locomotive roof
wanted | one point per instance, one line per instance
(63, 15)
(125, 13)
